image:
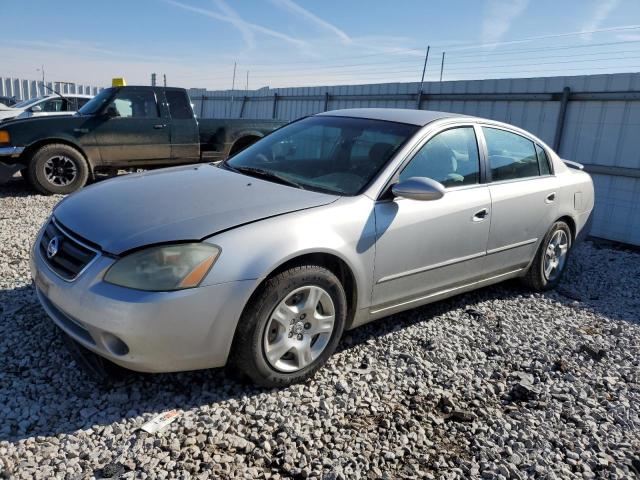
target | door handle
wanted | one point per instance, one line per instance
(158, 126)
(480, 215)
(550, 198)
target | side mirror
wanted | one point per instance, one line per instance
(36, 108)
(419, 188)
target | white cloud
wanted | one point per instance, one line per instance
(235, 20)
(600, 14)
(296, 9)
(238, 22)
(498, 18)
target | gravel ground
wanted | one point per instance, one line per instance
(499, 383)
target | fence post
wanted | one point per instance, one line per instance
(564, 101)
(244, 100)
(326, 101)
(275, 105)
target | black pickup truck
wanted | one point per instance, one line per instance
(121, 128)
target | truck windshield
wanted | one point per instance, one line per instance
(96, 103)
(338, 155)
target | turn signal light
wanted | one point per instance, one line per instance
(5, 137)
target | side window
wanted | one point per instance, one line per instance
(134, 104)
(511, 156)
(179, 105)
(451, 157)
(543, 161)
(53, 105)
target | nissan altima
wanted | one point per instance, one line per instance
(262, 262)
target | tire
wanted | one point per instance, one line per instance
(70, 174)
(536, 278)
(262, 333)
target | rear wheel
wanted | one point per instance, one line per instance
(291, 326)
(551, 259)
(57, 169)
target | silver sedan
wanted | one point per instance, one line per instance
(338, 219)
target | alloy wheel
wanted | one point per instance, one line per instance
(60, 170)
(299, 329)
(555, 255)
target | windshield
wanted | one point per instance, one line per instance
(338, 155)
(26, 103)
(96, 103)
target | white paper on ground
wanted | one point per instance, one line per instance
(160, 421)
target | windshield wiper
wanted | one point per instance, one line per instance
(267, 174)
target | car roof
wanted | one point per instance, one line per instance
(399, 115)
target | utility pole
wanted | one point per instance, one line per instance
(164, 78)
(424, 69)
(442, 66)
(44, 88)
(233, 85)
(153, 79)
(247, 84)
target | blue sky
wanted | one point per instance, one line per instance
(307, 42)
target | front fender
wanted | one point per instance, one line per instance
(344, 229)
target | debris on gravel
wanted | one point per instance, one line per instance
(499, 383)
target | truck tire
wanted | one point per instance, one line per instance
(57, 168)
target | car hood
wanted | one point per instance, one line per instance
(176, 204)
(9, 112)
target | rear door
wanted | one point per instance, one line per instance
(185, 138)
(133, 131)
(523, 198)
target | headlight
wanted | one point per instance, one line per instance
(164, 268)
(4, 136)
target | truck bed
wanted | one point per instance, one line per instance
(217, 136)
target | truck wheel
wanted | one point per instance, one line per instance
(57, 169)
(290, 327)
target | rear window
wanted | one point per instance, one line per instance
(511, 156)
(179, 105)
(543, 161)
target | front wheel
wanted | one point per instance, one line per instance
(57, 169)
(291, 326)
(551, 259)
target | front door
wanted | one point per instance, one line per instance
(425, 247)
(133, 130)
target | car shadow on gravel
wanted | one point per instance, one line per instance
(16, 187)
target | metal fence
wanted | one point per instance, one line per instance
(593, 119)
(26, 89)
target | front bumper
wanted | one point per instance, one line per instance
(14, 152)
(163, 331)
(8, 170)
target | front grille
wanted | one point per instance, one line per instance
(71, 256)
